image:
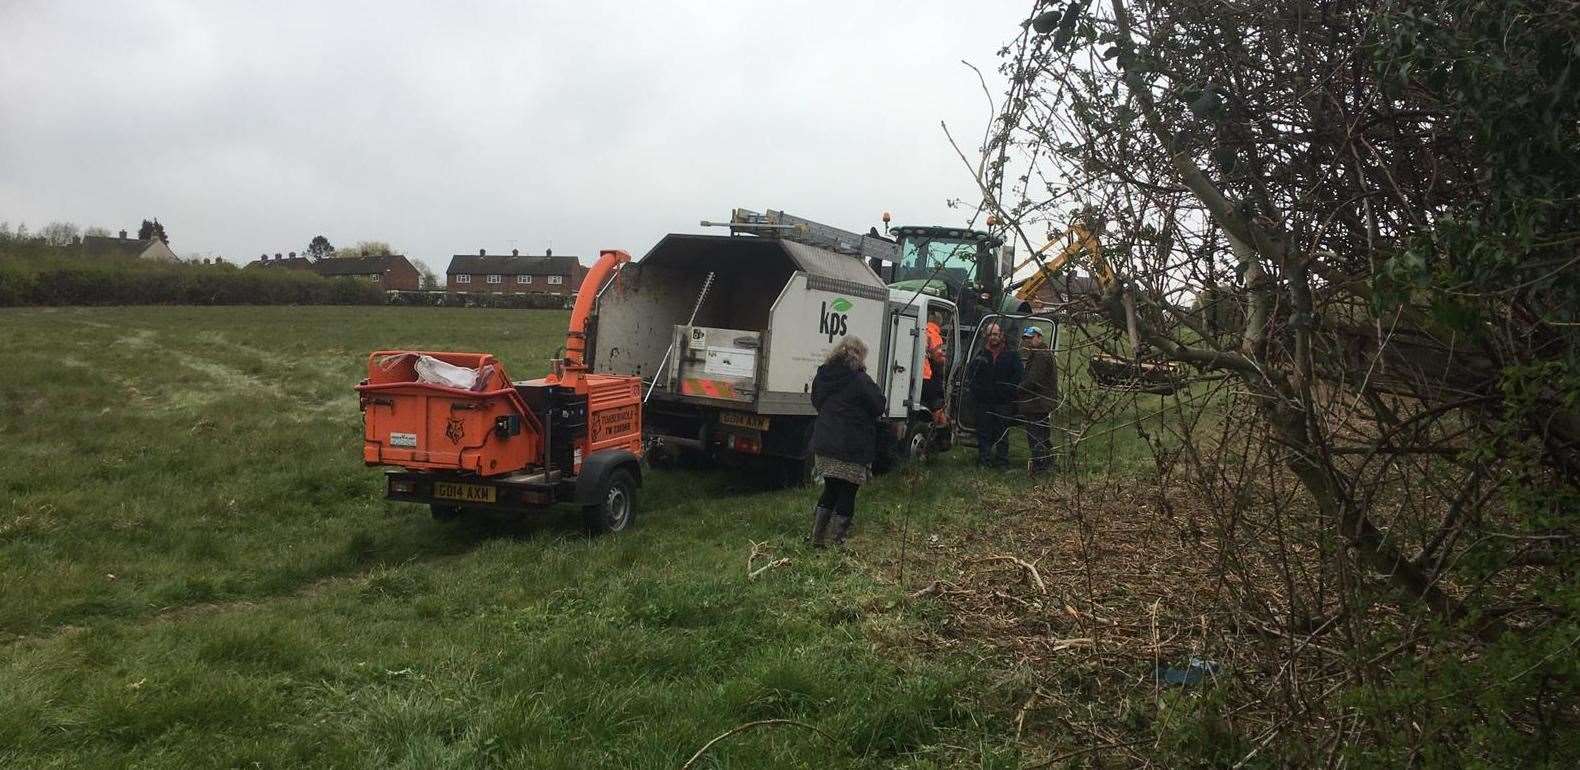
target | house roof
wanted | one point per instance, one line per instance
(99, 245)
(360, 265)
(513, 265)
(293, 263)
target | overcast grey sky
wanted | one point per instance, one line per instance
(443, 128)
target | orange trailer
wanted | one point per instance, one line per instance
(569, 437)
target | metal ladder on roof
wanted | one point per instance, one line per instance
(777, 224)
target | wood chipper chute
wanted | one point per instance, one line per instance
(457, 433)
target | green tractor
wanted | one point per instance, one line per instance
(957, 264)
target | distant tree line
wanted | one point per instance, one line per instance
(51, 270)
(48, 267)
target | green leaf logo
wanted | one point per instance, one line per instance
(840, 305)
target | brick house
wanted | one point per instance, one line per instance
(390, 271)
(483, 273)
(152, 248)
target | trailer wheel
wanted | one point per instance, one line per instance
(444, 512)
(616, 506)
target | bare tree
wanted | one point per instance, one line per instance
(365, 249)
(1385, 195)
(60, 233)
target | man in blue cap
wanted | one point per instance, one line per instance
(1039, 390)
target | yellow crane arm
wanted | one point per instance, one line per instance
(1081, 239)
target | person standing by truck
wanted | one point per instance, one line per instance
(844, 437)
(933, 371)
(994, 376)
(1039, 389)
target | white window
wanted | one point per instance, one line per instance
(463, 278)
(555, 280)
(523, 279)
(496, 279)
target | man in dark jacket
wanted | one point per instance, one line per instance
(1039, 389)
(844, 436)
(995, 372)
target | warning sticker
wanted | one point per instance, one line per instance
(730, 362)
(403, 439)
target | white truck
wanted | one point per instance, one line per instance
(727, 332)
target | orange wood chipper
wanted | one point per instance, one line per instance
(460, 434)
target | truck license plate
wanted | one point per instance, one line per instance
(470, 493)
(741, 420)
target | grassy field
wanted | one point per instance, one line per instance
(196, 570)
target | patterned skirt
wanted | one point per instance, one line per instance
(844, 470)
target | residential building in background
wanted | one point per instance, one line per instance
(279, 262)
(515, 273)
(392, 272)
(104, 246)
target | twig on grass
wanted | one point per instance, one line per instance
(1049, 762)
(1031, 569)
(770, 565)
(743, 728)
(1020, 717)
(757, 550)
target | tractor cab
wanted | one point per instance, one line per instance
(953, 263)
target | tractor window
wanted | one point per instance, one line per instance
(944, 258)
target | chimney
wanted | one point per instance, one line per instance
(123, 235)
(548, 252)
(482, 252)
(515, 252)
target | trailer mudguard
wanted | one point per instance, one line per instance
(595, 469)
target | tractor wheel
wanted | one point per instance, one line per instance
(616, 507)
(444, 512)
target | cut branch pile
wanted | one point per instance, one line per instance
(1105, 608)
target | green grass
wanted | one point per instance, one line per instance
(197, 571)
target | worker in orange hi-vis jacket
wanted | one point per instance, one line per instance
(932, 369)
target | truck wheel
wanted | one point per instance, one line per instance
(617, 504)
(444, 512)
(918, 447)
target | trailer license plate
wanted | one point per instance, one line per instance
(740, 420)
(470, 493)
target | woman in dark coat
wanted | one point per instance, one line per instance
(844, 437)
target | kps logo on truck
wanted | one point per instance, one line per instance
(833, 320)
